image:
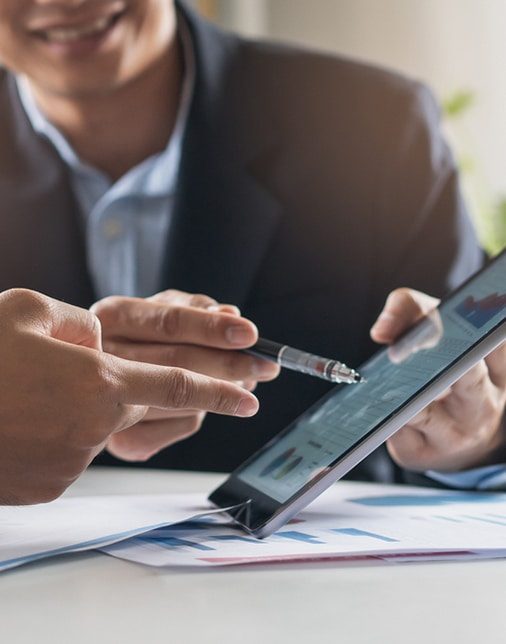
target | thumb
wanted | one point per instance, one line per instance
(41, 314)
(74, 325)
(403, 308)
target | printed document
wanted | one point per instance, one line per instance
(349, 521)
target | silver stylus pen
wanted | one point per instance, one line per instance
(303, 362)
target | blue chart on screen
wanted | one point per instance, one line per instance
(349, 416)
(479, 312)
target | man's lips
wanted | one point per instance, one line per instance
(63, 32)
(73, 34)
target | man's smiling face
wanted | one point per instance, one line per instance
(83, 47)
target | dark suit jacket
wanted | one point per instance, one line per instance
(310, 186)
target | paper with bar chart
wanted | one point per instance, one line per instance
(350, 521)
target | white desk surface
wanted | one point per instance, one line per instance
(92, 598)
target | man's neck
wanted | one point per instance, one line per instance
(116, 131)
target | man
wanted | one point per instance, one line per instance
(62, 398)
(152, 151)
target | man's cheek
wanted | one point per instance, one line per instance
(12, 52)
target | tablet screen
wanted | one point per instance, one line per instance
(393, 376)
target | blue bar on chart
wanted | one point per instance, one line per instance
(299, 536)
(355, 532)
(424, 500)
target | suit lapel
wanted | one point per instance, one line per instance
(38, 214)
(224, 217)
(222, 227)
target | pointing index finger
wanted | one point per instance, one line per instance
(174, 388)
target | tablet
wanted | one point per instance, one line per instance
(351, 421)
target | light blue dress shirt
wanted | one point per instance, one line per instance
(492, 477)
(127, 222)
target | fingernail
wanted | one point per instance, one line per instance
(238, 335)
(230, 309)
(384, 321)
(385, 318)
(247, 407)
(214, 308)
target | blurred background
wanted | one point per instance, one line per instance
(457, 47)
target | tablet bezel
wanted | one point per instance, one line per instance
(261, 515)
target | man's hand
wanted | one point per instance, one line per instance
(177, 329)
(463, 428)
(62, 397)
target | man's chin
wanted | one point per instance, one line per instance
(81, 87)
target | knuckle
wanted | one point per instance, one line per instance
(168, 296)
(27, 302)
(490, 414)
(212, 326)
(482, 374)
(97, 379)
(169, 321)
(223, 401)
(200, 300)
(180, 391)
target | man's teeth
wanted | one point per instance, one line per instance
(70, 34)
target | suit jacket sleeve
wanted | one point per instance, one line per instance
(425, 237)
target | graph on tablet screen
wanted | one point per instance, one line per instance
(393, 377)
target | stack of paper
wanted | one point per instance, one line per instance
(85, 523)
(349, 521)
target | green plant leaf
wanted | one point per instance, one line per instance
(458, 104)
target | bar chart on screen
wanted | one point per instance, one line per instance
(394, 378)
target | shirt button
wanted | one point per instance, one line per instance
(112, 229)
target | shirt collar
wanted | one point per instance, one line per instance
(156, 175)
